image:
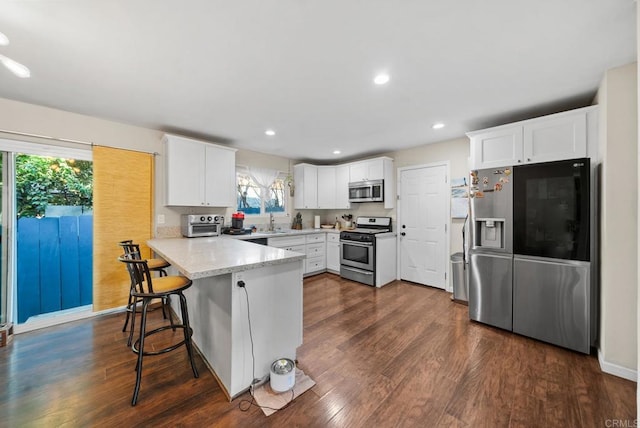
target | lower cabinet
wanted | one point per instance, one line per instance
(312, 245)
(316, 255)
(333, 252)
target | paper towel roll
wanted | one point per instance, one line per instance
(316, 222)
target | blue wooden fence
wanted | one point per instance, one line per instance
(54, 264)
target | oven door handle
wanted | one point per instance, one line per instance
(357, 244)
(352, 269)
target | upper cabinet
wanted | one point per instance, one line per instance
(198, 173)
(305, 177)
(559, 136)
(372, 169)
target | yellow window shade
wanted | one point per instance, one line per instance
(122, 209)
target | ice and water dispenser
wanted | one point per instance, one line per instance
(489, 233)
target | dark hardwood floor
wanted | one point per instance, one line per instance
(403, 355)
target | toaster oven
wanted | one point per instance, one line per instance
(198, 225)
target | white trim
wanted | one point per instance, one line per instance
(56, 318)
(45, 150)
(617, 370)
(447, 164)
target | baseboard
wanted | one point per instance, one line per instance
(617, 370)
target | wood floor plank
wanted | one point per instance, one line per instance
(402, 355)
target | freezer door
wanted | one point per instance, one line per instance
(551, 301)
(490, 288)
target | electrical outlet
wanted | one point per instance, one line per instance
(160, 218)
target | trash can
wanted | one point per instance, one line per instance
(459, 278)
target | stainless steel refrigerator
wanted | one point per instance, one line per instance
(532, 250)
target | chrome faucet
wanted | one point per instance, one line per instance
(271, 228)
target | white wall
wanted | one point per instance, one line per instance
(618, 141)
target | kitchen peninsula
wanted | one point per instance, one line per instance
(219, 309)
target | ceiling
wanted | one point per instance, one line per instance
(226, 71)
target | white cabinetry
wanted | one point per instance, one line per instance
(305, 177)
(333, 187)
(333, 252)
(326, 187)
(313, 245)
(559, 136)
(198, 173)
(342, 187)
(372, 169)
(316, 256)
(291, 243)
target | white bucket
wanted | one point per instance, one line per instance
(283, 375)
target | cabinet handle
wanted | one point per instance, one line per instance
(519, 161)
(528, 159)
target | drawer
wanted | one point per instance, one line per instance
(296, 248)
(315, 264)
(286, 241)
(315, 250)
(333, 237)
(316, 237)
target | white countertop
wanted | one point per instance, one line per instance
(204, 257)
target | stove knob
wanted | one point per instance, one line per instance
(202, 218)
(209, 218)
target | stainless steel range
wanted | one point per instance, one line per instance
(358, 249)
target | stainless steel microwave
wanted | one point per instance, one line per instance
(366, 191)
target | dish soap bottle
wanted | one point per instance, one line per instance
(337, 224)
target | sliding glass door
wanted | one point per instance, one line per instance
(47, 233)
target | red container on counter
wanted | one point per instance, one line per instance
(237, 220)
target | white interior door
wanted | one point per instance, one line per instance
(422, 225)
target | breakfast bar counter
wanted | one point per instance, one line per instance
(234, 282)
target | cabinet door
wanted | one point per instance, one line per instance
(333, 256)
(560, 138)
(310, 190)
(366, 170)
(298, 181)
(220, 177)
(326, 187)
(185, 172)
(375, 169)
(502, 147)
(342, 187)
(305, 177)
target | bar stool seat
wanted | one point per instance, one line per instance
(144, 289)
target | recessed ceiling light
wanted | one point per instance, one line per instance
(438, 125)
(381, 79)
(336, 152)
(4, 40)
(270, 132)
(15, 67)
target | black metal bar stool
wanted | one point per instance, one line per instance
(155, 265)
(145, 289)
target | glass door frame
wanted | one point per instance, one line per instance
(10, 148)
